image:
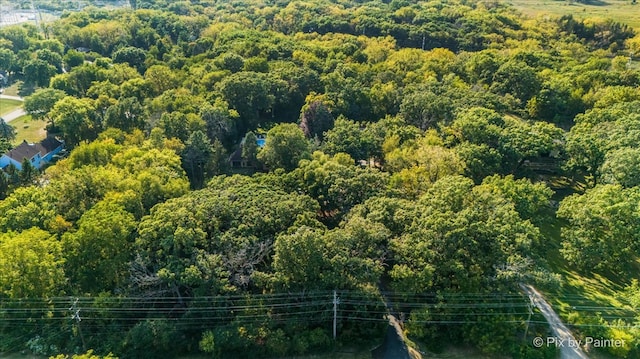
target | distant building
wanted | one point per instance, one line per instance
(38, 153)
(237, 161)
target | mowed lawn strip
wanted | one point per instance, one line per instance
(7, 106)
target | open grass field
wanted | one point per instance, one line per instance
(28, 129)
(7, 106)
(619, 10)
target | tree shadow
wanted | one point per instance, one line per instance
(593, 2)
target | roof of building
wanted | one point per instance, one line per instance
(49, 144)
(29, 150)
(236, 156)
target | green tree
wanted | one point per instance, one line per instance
(133, 56)
(88, 355)
(7, 132)
(315, 118)
(195, 158)
(603, 228)
(622, 166)
(76, 119)
(25, 208)
(28, 173)
(99, 252)
(531, 200)
(425, 109)
(127, 114)
(41, 102)
(336, 183)
(73, 58)
(249, 93)
(38, 73)
(520, 141)
(518, 79)
(219, 121)
(52, 58)
(31, 264)
(216, 239)
(157, 173)
(8, 60)
(480, 161)
(285, 146)
(231, 61)
(459, 238)
(161, 78)
(4, 185)
(349, 137)
(346, 257)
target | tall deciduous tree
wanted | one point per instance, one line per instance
(285, 146)
(76, 119)
(459, 237)
(98, 253)
(195, 158)
(31, 264)
(127, 114)
(315, 117)
(38, 73)
(249, 93)
(603, 230)
(41, 102)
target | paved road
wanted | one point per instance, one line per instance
(394, 345)
(15, 113)
(568, 349)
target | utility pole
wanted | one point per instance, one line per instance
(336, 301)
(75, 315)
(530, 307)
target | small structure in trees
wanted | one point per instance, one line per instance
(245, 155)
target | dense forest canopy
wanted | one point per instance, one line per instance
(424, 151)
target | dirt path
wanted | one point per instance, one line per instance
(564, 339)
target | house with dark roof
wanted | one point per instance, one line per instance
(38, 153)
(237, 161)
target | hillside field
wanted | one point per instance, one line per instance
(620, 11)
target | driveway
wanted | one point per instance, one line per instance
(564, 339)
(7, 97)
(15, 113)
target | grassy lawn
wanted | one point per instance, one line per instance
(619, 10)
(12, 90)
(28, 129)
(7, 106)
